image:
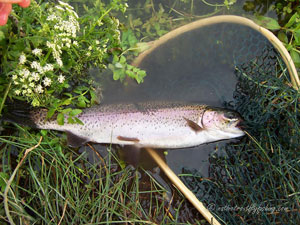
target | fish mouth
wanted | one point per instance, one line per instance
(241, 124)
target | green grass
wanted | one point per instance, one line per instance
(57, 185)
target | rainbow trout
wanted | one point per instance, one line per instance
(152, 124)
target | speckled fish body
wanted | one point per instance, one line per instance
(157, 125)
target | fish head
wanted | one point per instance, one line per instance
(223, 122)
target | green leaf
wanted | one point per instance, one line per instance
(67, 102)
(142, 46)
(44, 132)
(65, 111)
(122, 59)
(71, 120)
(94, 98)
(3, 179)
(130, 73)
(267, 22)
(81, 104)
(60, 119)
(68, 94)
(291, 21)
(296, 57)
(78, 121)
(282, 37)
(297, 37)
(75, 112)
(50, 112)
(118, 74)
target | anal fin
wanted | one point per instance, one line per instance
(75, 141)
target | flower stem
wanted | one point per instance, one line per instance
(5, 96)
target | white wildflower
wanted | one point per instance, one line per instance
(40, 70)
(14, 77)
(50, 45)
(24, 92)
(59, 49)
(64, 34)
(59, 62)
(16, 82)
(68, 40)
(29, 91)
(47, 81)
(35, 76)
(25, 86)
(39, 89)
(51, 17)
(70, 10)
(25, 73)
(35, 65)
(17, 92)
(117, 22)
(22, 58)
(90, 48)
(97, 42)
(59, 8)
(75, 14)
(37, 51)
(68, 45)
(61, 78)
(56, 54)
(65, 4)
(31, 84)
(48, 67)
(70, 26)
(75, 43)
(88, 54)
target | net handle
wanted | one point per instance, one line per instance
(227, 19)
(185, 191)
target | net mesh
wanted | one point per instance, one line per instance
(256, 181)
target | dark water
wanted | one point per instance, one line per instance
(198, 66)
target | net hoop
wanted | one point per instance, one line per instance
(227, 19)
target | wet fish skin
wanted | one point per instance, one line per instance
(150, 124)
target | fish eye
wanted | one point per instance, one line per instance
(231, 116)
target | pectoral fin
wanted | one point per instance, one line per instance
(194, 126)
(75, 141)
(122, 138)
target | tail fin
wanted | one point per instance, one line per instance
(20, 114)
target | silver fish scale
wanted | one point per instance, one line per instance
(144, 121)
(154, 124)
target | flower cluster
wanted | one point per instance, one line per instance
(31, 77)
(63, 19)
(37, 69)
(56, 51)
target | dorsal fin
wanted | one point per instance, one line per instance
(194, 126)
(75, 141)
